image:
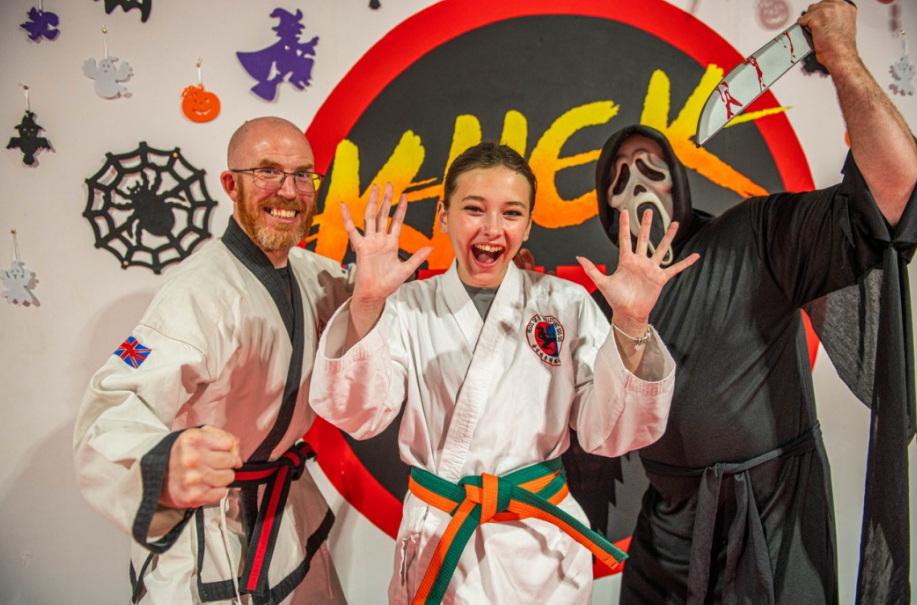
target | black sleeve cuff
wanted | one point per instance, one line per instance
(153, 468)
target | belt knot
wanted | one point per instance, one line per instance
(529, 493)
(494, 495)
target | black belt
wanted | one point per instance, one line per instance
(276, 475)
(746, 534)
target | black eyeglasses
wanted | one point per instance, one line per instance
(271, 179)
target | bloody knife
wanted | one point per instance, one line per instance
(749, 79)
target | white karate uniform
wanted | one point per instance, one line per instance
(484, 396)
(220, 355)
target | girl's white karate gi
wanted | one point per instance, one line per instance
(479, 398)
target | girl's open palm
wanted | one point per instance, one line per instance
(379, 270)
(634, 287)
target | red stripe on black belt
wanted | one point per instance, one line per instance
(276, 476)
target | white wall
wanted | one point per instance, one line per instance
(53, 547)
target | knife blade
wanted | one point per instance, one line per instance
(751, 78)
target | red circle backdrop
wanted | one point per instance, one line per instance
(437, 25)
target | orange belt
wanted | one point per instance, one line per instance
(531, 492)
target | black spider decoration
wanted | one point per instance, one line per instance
(28, 141)
(811, 65)
(148, 207)
(145, 7)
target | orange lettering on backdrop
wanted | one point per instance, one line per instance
(344, 186)
(551, 211)
(682, 130)
(466, 133)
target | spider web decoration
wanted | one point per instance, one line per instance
(148, 207)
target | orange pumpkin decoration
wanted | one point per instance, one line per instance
(198, 105)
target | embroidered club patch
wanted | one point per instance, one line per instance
(545, 336)
(133, 352)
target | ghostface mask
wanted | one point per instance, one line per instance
(642, 180)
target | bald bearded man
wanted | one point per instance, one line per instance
(187, 437)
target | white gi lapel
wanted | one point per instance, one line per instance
(463, 311)
(485, 364)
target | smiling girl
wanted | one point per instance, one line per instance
(493, 366)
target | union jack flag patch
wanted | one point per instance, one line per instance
(133, 352)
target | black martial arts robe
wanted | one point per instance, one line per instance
(739, 506)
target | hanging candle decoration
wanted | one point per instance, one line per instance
(41, 24)
(287, 59)
(148, 207)
(144, 6)
(197, 104)
(106, 75)
(18, 280)
(902, 72)
(28, 141)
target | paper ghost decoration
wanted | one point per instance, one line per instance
(41, 24)
(19, 281)
(198, 105)
(902, 73)
(28, 141)
(107, 76)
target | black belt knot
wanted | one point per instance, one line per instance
(752, 569)
(276, 476)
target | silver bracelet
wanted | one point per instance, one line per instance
(640, 341)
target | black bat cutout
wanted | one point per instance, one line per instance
(145, 7)
(28, 141)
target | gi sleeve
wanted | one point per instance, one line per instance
(123, 434)
(615, 411)
(361, 391)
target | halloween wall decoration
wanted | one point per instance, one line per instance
(287, 57)
(902, 72)
(148, 207)
(145, 6)
(197, 104)
(28, 141)
(374, 4)
(41, 24)
(772, 14)
(106, 75)
(18, 280)
(811, 65)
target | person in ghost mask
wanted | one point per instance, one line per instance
(739, 508)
